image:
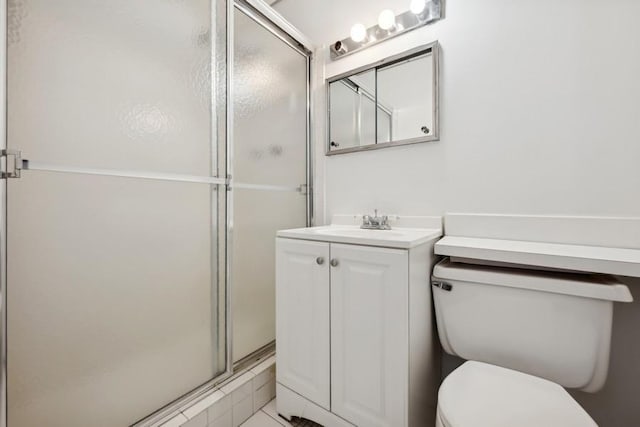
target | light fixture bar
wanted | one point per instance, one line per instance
(405, 22)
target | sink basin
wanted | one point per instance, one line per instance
(404, 238)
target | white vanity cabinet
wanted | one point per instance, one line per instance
(302, 320)
(369, 334)
(354, 332)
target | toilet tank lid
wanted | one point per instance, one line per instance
(597, 286)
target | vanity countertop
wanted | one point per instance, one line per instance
(400, 237)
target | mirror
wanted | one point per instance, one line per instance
(392, 102)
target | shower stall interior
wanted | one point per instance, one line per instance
(152, 149)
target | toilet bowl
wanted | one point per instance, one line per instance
(482, 395)
(526, 334)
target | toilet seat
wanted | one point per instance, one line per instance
(482, 395)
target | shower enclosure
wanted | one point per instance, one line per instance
(151, 152)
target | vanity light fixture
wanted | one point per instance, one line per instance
(417, 6)
(421, 12)
(387, 19)
(358, 33)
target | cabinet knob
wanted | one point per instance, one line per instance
(334, 262)
(319, 260)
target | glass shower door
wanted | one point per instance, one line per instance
(115, 245)
(269, 152)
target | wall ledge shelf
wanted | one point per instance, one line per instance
(592, 259)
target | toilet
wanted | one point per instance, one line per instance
(526, 335)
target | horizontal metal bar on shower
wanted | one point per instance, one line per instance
(30, 165)
(267, 187)
(37, 166)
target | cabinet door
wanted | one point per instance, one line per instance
(369, 335)
(302, 318)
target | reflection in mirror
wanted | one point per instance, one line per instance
(352, 115)
(392, 102)
(406, 88)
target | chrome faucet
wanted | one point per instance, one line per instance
(375, 222)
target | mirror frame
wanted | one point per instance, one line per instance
(434, 47)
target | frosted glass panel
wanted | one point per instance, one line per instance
(114, 303)
(269, 148)
(110, 297)
(258, 215)
(270, 107)
(115, 84)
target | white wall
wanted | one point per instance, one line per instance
(552, 88)
(540, 114)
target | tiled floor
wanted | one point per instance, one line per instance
(266, 417)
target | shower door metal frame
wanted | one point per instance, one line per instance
(3, 217)
(222, 16)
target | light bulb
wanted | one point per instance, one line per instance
(386, 19)
(417, 6)
(358, 33)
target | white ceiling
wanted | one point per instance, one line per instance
(326, 21)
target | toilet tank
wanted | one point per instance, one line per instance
(549, 324)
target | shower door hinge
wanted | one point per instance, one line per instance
(12, 163)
